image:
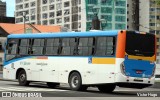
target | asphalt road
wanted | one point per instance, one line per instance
(64, 91)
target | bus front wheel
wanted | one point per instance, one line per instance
(22, 78)
(106, 88)
(75, 82)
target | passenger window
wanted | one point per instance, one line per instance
(24, 46)
(38, 42)
(24, 42)
(86, 46)
(37, 50)
(68, 46)
(37, 47)
(105, 46)
(52, 47)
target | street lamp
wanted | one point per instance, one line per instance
(24, 18)
(95, 20)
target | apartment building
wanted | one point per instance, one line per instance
(154, 25)
(2, 8)
(73, 14)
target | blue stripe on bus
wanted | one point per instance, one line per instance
(65, 34)
(28, 57)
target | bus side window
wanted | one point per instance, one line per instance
(85, 46)
(68, 46)
(11, 50)
(52, 46)
(24, 47)
(110, 46)
(37, 47)
(105, 46)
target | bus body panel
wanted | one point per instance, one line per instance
(57, 69)
(90, 73)
(138, 68)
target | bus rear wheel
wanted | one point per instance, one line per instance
(75, 82)
(22, 78)
(107, 88)
(52, 85)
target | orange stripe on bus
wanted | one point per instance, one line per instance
(121, 42)
(103, 60)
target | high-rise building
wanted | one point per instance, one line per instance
(73, 14)
(154, 27)
(2, 8)
(143, 15)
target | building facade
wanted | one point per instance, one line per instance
(2, 8)
(73, 14)
(154, 25)
(112, 13)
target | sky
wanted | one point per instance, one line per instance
(10, 7)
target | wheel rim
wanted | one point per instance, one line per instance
(74, 81)
(22, 77)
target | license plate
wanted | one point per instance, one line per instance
(138, 71)
(139, 78)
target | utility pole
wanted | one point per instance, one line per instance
(24, 18)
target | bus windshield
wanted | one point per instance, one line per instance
(140, 44)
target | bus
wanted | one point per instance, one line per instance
(103, 59)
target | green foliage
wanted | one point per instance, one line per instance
(157, 2)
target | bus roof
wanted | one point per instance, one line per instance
(65, 34)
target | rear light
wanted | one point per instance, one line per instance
(123, 69)
(151, 62)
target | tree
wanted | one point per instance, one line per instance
(157, 2)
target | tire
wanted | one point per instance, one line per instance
(52, 85)
(75, 82)
(22, 78)
(106, 88)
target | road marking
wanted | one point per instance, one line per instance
(28, 89)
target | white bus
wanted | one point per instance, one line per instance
(105, 59)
